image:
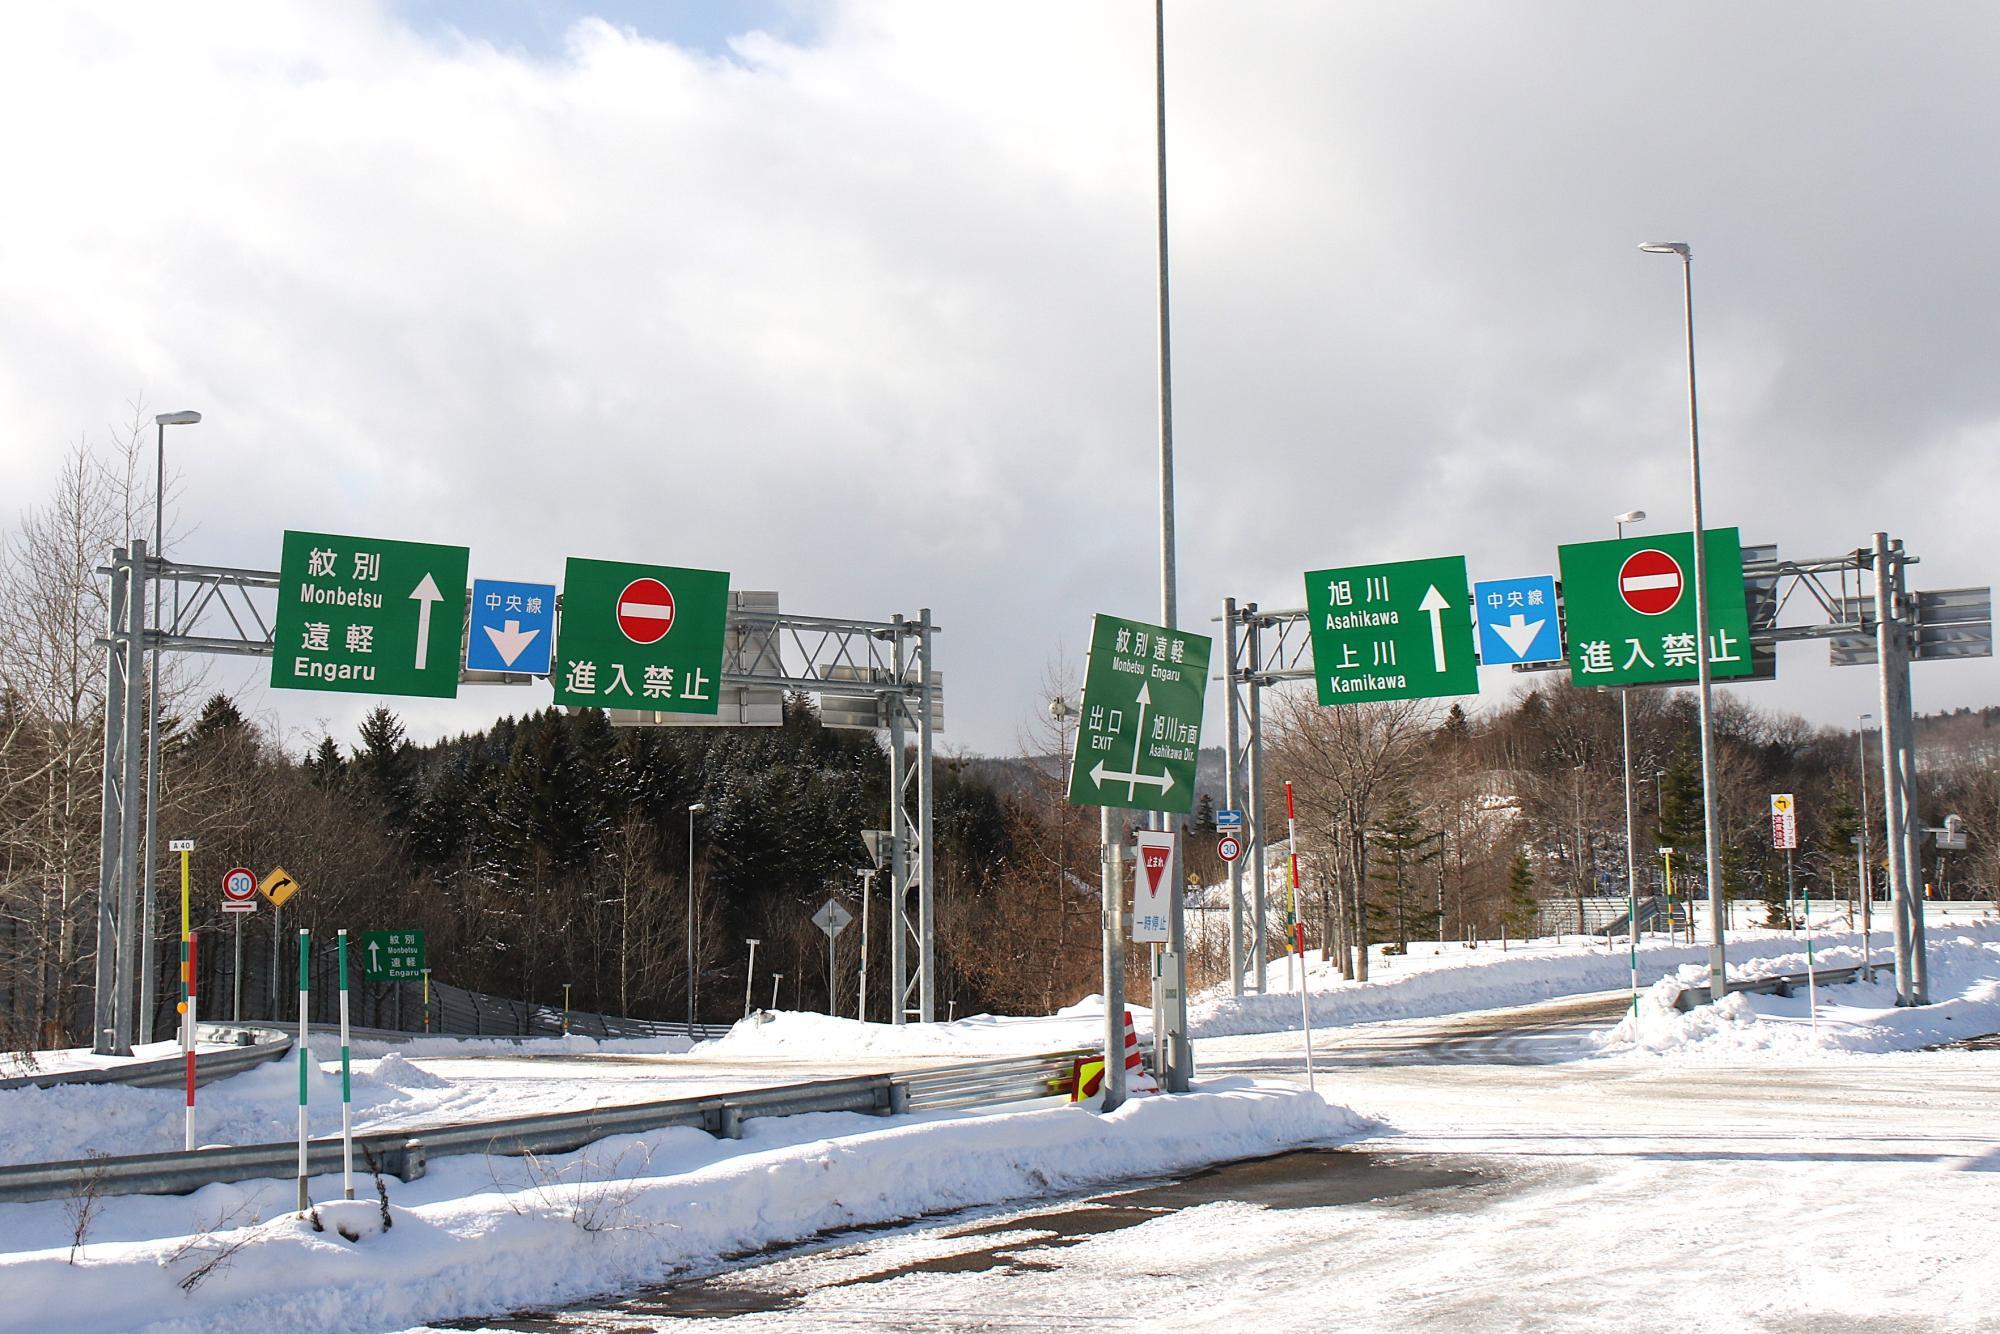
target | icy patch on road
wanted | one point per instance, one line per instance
(1853, 1017)
(490, 1235)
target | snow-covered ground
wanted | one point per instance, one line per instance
(1662, 1135)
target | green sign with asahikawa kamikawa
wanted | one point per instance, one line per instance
(368, 616)
(1138, 733)
(1401, 630)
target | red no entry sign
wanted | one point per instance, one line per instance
(646, 611)
(1650, 582)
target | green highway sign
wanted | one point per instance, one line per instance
(1139, 731)
(393, 956)
(640, 637)
(368, 616)
(1396, 631)
(1629, 606)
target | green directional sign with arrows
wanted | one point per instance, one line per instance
(393, 956)
(368, 616)
(1397, 631)
(1139, 731)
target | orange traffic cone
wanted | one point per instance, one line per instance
(1136, 1078)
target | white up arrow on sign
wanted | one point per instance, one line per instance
(509, 642)
(1436, 603)
(1518, 634)
(426, 596)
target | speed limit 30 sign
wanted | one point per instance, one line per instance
(1229, 847)
(239, 890)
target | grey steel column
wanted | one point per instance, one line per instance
(1867, 890)
(148, 964)
(899, 867)
(926, 864)
(1631, 852)
(129, 927)
(1110, 854)
(1888, 656)
(1231, 741)
(1254, 814)
(104, 1002)
(1913, 880)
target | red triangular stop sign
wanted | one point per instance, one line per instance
(1155, 862)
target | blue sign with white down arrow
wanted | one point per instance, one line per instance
(513, 627)
(1517, 620)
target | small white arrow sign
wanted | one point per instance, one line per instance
(426, 596)
(1435, 603)
(1519, 633)
(1164, 782)
(374, 956)
(511, 641)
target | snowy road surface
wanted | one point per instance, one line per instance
(1525, 1188)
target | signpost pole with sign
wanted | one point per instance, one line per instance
(1137, 745)
(185, 847)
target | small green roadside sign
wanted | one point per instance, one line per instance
(1397, 631)
(393, 956)
(1629, 606)
(368, 616)
(640, 637)
(1139, 732)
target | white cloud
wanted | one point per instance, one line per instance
(870, 320)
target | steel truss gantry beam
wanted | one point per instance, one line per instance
(222, 609)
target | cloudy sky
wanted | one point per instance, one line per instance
(856, 300)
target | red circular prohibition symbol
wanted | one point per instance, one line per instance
(239, 885)
(645, 611)
(1650, 582)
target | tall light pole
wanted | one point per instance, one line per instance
(1704, 673)
(1180, 1055)
(1631, 850)
(693, 810)
(147, 963)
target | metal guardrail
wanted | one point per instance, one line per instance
(1778, 984)
(251, 1045)
(403, 1153)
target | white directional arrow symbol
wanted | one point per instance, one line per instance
(1145, 698)
(374, 956)
(426, 596)
(1164, 782)
(1518, 634)
(512, 641)
(1435, 603)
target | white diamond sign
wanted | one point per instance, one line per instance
(832, 918)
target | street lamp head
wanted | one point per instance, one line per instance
(177, 419)
(697, 808)
(1630, 516)
(1666, 248)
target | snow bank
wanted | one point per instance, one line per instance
(1424, 985)
(488, 1235)
(800, 1033)
(1853, 1017)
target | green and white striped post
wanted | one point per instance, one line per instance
(346, 1086)
(305, 1058)
(1812, 983)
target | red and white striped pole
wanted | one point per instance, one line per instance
(1297, 930)
(187, 1033)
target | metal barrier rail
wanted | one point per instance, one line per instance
(251, 1046)
(403, 1153)
(1778, 984)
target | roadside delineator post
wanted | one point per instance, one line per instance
(305, 1059)
(346, 1085)
(187, 1034)
(1298, 934)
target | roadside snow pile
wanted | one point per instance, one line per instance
(1853, 1017)
(483, 1235)
(1423, 986)
(327, 1046)
(794, 1033)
